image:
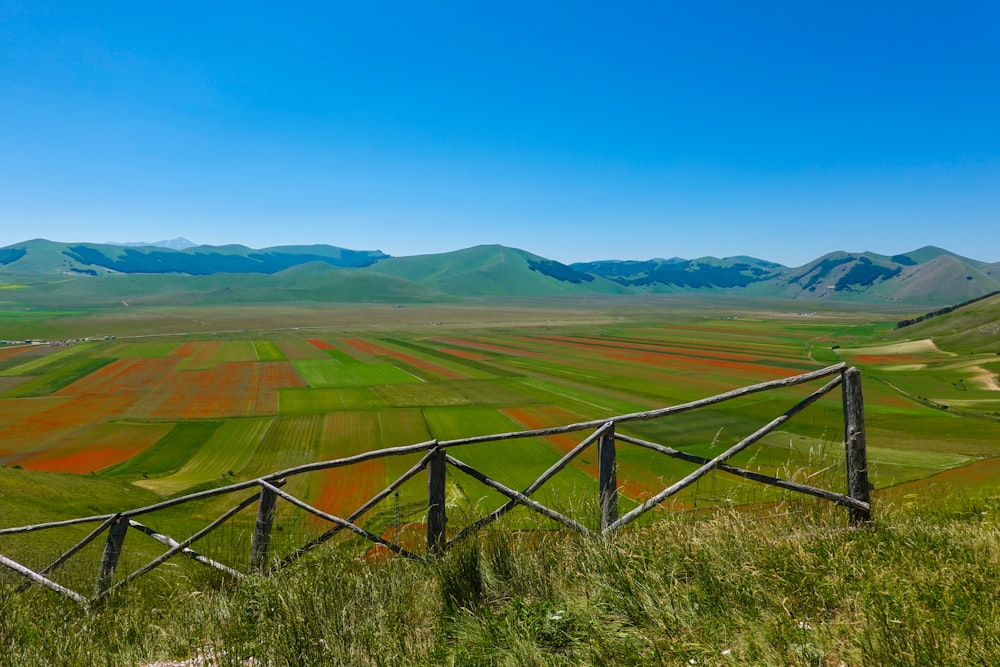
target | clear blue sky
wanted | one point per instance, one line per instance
(575, 130)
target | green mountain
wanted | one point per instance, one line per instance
(46, 257)
(972, 327)
(487, 270)
(928, 275)
(314, 282)
(924, 277)
(669, 275)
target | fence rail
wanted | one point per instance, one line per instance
(436, 459)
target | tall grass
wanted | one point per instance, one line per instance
(916, 588)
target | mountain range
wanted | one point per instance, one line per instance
(209, 274)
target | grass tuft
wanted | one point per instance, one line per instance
(915, 588)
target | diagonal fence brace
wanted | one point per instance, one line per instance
(342, 522)
(534, 486)
(729, 453)
(519, 497)
(39, 579)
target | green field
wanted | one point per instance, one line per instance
(268, 351)
(332, 373)
(229, 448)
(449, 372)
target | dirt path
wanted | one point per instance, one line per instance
(914, 347)
(986, 378)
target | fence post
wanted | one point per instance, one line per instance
(607, 477)
(436, 519)
(112, 552)
(261, 541)
(854, 443)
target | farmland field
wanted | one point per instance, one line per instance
(172, 414)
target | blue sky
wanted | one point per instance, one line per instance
(577, 130)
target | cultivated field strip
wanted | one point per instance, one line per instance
(420, 367)
(341, 490)
(97, 448)
(268, 351)
(229, 449)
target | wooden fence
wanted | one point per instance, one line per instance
(437, 456)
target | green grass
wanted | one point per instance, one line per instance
(228, 450)
(268, 351)
(422, 395)
(585, 401)
(58, 375)
(916, 588)
(330, 373)
(342, 357)
(28, 496)
(971, 329)
(289, 441)
(494, 392)
(50, 362)
(300, 400)
(170, 453)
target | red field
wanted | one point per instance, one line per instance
(671, 350)
(463, 354)
(659, 357)
(185, 349)
(488, 347)
(8, 352)
(296, 349)
(97, 449)
(345, 489)
(59, 422)
(378, 350)
(128, 375)
(234, 389)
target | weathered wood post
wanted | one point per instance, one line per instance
(261, 541)
(607, 477)
(854, 443)
(112, 552)
(436, 519)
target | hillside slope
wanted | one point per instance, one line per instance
(973, 328)
(669, 275)
(50, 258)
(494, 270)
(307, 283)
(926, 277)
(929, 275)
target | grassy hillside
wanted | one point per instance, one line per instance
(915, 589)
(925, 277)
(44, 257)
(929, 275)
(974, 328)
(494, 270)
(680, 275)
(308, 283)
